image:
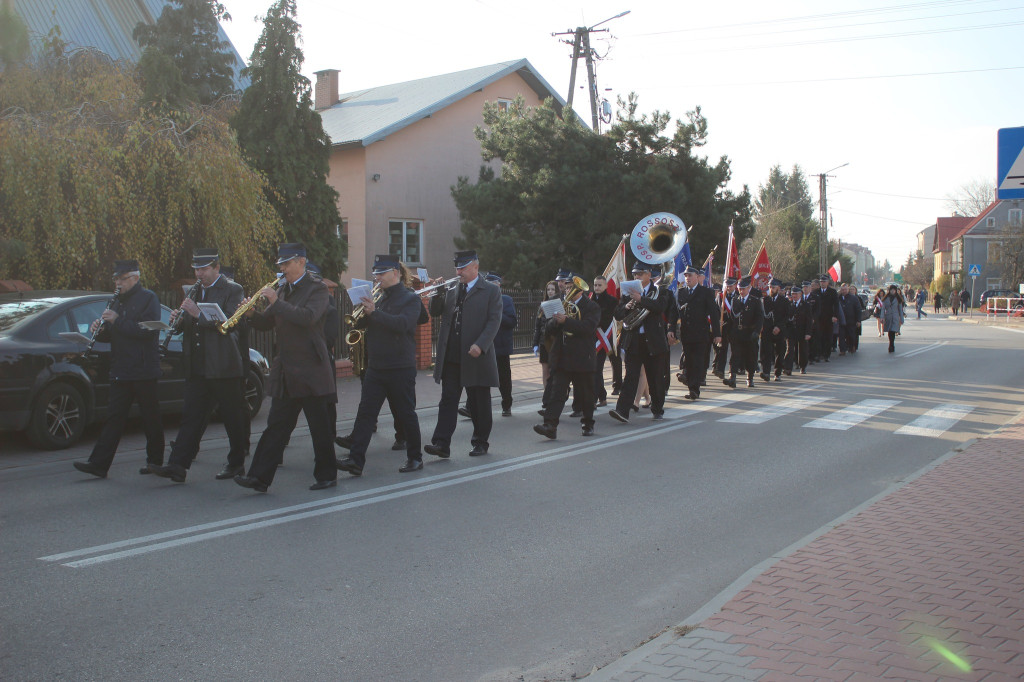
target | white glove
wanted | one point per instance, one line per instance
(536, 351)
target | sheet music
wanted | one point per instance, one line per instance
(362, 283)
(631, 285)
(150, 325)
(357, 293)
(422, 274)
(552, 307)
(76, 337)
(212, 311)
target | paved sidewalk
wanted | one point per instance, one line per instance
(923, 583)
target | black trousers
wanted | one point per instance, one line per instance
(766, 352)
(638, 356)
(478, 399)
(721, 360)
(848, 337)
(695, 364)
(825, 339)
(744, 353)
(201, 396)
(777, 352)
(122, 395)
(583, 391)
(505, 381)
(616, 369)
(284, 413)
(600, 392)
(398, 387)
(798, 352)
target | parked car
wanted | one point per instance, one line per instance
(1000, 293)
(52, 389)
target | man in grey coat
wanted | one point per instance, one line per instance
(470, 316)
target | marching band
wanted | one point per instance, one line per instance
(753, 333)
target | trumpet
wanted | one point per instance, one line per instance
(447, 285)
(227, 324)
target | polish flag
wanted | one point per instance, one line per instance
(836, 272)
(615, 273)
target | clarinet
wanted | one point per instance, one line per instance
(110, 304)
(175, 327)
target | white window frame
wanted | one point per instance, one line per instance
(990, 222)
(504, 104)
(1014, 216)
(405, 237)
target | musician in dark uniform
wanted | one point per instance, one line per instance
(645, 345)
(829, 313)
(503, 342)
(214, 373)
(801, 325)
(607, 303)
(134, 370)
(470, 316)
(390, 328)
(721, 361)
(809, 296)
(698, 313)
(301, 375)
(572, 356)
(749, 316)
(774, 334)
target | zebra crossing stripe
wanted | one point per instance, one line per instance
(769, 412)
(936, 421)
(843, 419)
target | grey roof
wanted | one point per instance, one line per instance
(366, 116)
(106, 25)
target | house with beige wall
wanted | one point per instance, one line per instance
(397, 150)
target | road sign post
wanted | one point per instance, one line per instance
(974, 271)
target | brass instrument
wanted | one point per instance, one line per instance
(227, 324)
(636, 316)
(193, 293)
(447, 285)
(355, 338)
(110, 304)
(658, 238)
(571, 309)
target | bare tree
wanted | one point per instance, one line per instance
(1010, 255)
(971, 198)
(775, 225)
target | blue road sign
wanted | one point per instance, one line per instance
(1010, 164)
(974, 271)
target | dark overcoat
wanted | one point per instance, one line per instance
(653, 325)
(695, 307)
(481, 317)
(134, 351)
(574, 347)
(222, 356)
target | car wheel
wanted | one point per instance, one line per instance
(58, 418)
(252, 392)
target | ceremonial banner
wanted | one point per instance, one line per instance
(761, 270)
(615, 273)
(732, 260)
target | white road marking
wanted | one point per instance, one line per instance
(936, 421)
(922, 349)
(273, 517)
(850, 416)
(769, 412)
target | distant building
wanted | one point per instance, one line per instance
(863, 262)
(979, 241)
(397, 151)
(925, 239)
(945, 230)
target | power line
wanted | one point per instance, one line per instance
(720, 84)
(880, 217)
(898, 196)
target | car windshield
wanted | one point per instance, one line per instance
(13, 312)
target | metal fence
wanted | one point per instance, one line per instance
(526, 302)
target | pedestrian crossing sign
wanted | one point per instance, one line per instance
(974, 271)
(1010, 163)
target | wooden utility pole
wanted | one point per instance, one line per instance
(581, 48)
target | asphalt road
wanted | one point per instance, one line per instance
(539, 561)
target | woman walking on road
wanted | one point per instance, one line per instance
(877, 308)
(954, 302)
(540, 348)
(892, 315)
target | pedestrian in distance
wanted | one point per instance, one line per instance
(938, 302)
(893, 315)
(954, 302)
(920, 300)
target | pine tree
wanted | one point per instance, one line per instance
(184, 60)
(283, 137)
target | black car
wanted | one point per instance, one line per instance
(999, 293)
(52, 389)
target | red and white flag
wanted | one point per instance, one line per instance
(732, 259)
(761, 270)
(615, 273)
(836, 272)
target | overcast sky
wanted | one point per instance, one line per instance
(909, 94)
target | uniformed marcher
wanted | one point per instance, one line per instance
(801, 326)
(390, 328)
(214, 373)
(470, 317)
(829, 315)
(134, 370)
(721, 360)
(749, 316)
(301, 376)
(698, 313)
(572, 359)
(645, 345)
(774, 335)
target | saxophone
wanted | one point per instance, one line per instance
(356, 339)
(227, 324)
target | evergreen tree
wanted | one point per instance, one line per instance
(282, 136)
(184, 60)
(13, 37)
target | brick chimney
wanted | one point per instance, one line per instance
(325, 94)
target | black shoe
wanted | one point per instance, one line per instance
(437, 451)
(171, 471)
(618, 417)
(788, 372)
(603, 402)
(690, 396)
(464, 412)
(659, 417)
(478, 450)
(680, 377)
(575, 414)
(588, 430)
(750, 382)
(765, 377)
(826, 359)
(546, 430)
(252, 483)
(636, 408)
(542, 412)
(892, 350)
(323, 485)
(344, 441)
(615, 390)
(348, 466)
(230, 472)
(720, 375)
(506, 413)
(778, 377)
(803, 370)
(730, 382)
(146, 468)
(90, 468)
(398, 445)
(411, 465)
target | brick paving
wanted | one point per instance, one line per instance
(926, 583)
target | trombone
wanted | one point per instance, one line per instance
(446, 285)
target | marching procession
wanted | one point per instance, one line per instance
(748, 328)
